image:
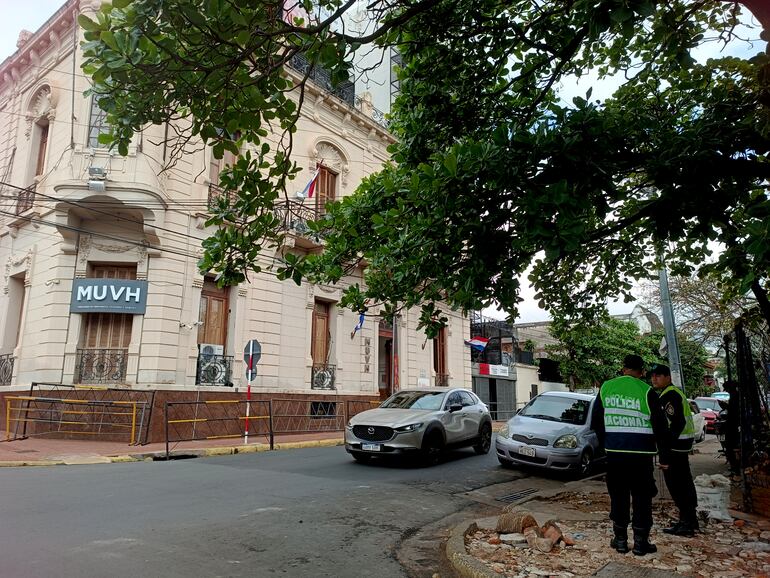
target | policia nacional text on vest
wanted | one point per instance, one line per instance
(627, 424)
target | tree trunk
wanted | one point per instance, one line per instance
(762, 300)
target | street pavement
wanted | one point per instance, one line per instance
(301, 512)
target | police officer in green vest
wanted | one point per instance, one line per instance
(681, 431)
(629, 422)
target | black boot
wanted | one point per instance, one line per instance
(673, 529)
(686, 529)
(642, 544)
(620, 540)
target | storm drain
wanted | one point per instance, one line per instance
(515, 497)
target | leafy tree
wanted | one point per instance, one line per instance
(492, 174)
(590, 354)
(702, 310)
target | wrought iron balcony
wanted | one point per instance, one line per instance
(26, 199)
(216, 193)
(345, 91)
(6, 368)
(442, 380)
(101, 365)
(323, 376)
(214, 370)
(295, 215)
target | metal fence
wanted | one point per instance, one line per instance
(100, 393)
(33, 416)
(307, 416)
(216, 419)
(6, 368)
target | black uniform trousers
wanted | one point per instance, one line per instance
(679, 482)
(631, 477)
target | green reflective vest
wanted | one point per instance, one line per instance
(627, 424)
(684, 442)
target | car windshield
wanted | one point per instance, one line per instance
(712, 404)
(558, 408)
(414, 400)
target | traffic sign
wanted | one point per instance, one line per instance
(253, 350)
(251, 374)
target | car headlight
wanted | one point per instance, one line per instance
(349, 426)
(408, 428)
(505, 431)
(568, 441)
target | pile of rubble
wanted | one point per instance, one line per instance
(517, 546)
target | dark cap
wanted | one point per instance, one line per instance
(633, 362)
(660, 369)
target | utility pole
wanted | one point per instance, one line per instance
(668, 324)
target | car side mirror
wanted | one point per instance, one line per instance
(455, 407)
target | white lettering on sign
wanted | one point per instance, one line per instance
(100, 296)
(116, 295)
(623, 402)
(84, 293)
(625, 421)
(135, 293)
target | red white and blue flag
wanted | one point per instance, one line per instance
(307, 192)
(477, 343)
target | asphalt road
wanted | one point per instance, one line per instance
(309, 512)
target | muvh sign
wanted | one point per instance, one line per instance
(108, 296)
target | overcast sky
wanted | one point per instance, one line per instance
(18, 15)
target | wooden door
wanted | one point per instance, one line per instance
(319, 347)
(439, 353)
(212, 314)
(327, 189)
(42, 148)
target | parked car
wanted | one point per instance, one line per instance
(699, 421)
(421, 422)
(709, 408)
(552, 431)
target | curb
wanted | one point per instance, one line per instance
(204, 452)
(463, 563)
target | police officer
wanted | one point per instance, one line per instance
(677, 473)
(630, 424)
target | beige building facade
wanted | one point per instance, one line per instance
(98, 252)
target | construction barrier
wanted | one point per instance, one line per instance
(100, 393)
(216, 419)
(40, 416)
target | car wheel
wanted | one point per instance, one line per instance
(586, 463)
(506, 464)
(362, 458)
(432, 448)
(702, 435)
(485, 440)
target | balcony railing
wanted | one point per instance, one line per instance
(323, 376)
(214, 370)
(442, 380)
(216, 193)
(345, 91)
(6, 369)
(101, 365)
(294, 217)
(25, 200)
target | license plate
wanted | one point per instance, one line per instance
(371, 447)
(525, 451)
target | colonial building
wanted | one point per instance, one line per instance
(98, 251)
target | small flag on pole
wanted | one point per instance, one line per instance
(477, 343)
(307, 192)
(358, 326)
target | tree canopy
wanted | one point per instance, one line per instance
(492, 174)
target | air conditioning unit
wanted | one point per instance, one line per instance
(209, 350)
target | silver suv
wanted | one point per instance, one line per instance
(424, 422)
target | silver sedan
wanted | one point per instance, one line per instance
(552, 431)
(421, 422)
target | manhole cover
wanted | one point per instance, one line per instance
(517, 495)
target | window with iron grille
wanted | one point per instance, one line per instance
(323, 408)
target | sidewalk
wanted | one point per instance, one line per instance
(725, 549)
(50, 452)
